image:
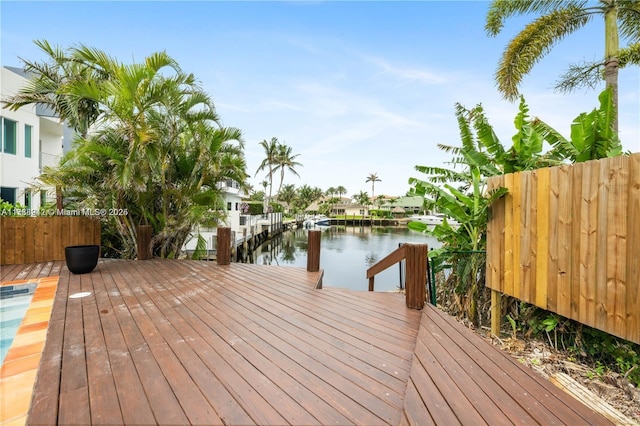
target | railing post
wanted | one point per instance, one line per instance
(496, 312)
(313, 251)
(416, 273)
(223, 246)
(144, 234)
(400, 270)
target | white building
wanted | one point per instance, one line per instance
(233, 197)
(32, 137)
(243, 226)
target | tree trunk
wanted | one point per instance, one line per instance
(59, 198)
(612, 48)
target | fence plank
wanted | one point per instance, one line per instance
(517, 235)
(42, 239)
(495, 234)
(526, 212)
(617, 247)
(565, 241)
(508, 236)
(588, 241)
(576, 213)
(52, 247)
(8, 241)
(65, 231)
(30, 241)
(601, 261)
(501, 247)
(554, 241)
(633, 250)
(56, 251)
(20, 241)
(542, 238)
(97, 230)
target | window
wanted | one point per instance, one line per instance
(9, 134)
(27, 140)
(43, 197)
(229, 205)
(27, 198)
(8, 194)
(236, 206)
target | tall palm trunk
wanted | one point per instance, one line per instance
(612, 48)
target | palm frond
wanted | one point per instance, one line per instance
(587, 74)
(500, 10)
(532, 44)
(629, 55)
(629, 19)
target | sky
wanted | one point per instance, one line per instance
(354, 88)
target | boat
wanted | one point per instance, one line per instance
(320, 220)
(432, 219)
(323, 222)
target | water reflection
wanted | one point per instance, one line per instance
(346, 253)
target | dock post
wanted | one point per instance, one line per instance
(313, 251)
(416, 275)
(143, 241)
(223, 246)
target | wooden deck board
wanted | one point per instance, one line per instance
(178, 342)
(139, 373)
(491, 384)
(341, 375)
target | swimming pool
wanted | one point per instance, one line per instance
(14, 302)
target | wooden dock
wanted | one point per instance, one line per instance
(192, 342)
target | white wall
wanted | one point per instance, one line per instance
(18, 171)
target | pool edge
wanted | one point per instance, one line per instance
(19, 369)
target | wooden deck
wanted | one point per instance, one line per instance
(179, 342)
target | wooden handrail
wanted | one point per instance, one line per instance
(416, 256)
(392, 258)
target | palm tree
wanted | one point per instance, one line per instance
(51, 82)
(558, 19)
(49, 86)
(330, 191)
(159, 158)
(373, 178)
(285, 160)
(307, 195)
(341, 190)
(270, 161)
(362, 198)
(287, 194)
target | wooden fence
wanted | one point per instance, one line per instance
(567, 239)
(43, 239)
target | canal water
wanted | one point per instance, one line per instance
(346, 252)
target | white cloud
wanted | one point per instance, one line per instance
(405, 73)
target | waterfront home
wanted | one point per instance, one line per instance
(410, 204)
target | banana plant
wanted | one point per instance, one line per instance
(592, 134)
(470, 209)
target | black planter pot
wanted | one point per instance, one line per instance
(82, 259)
